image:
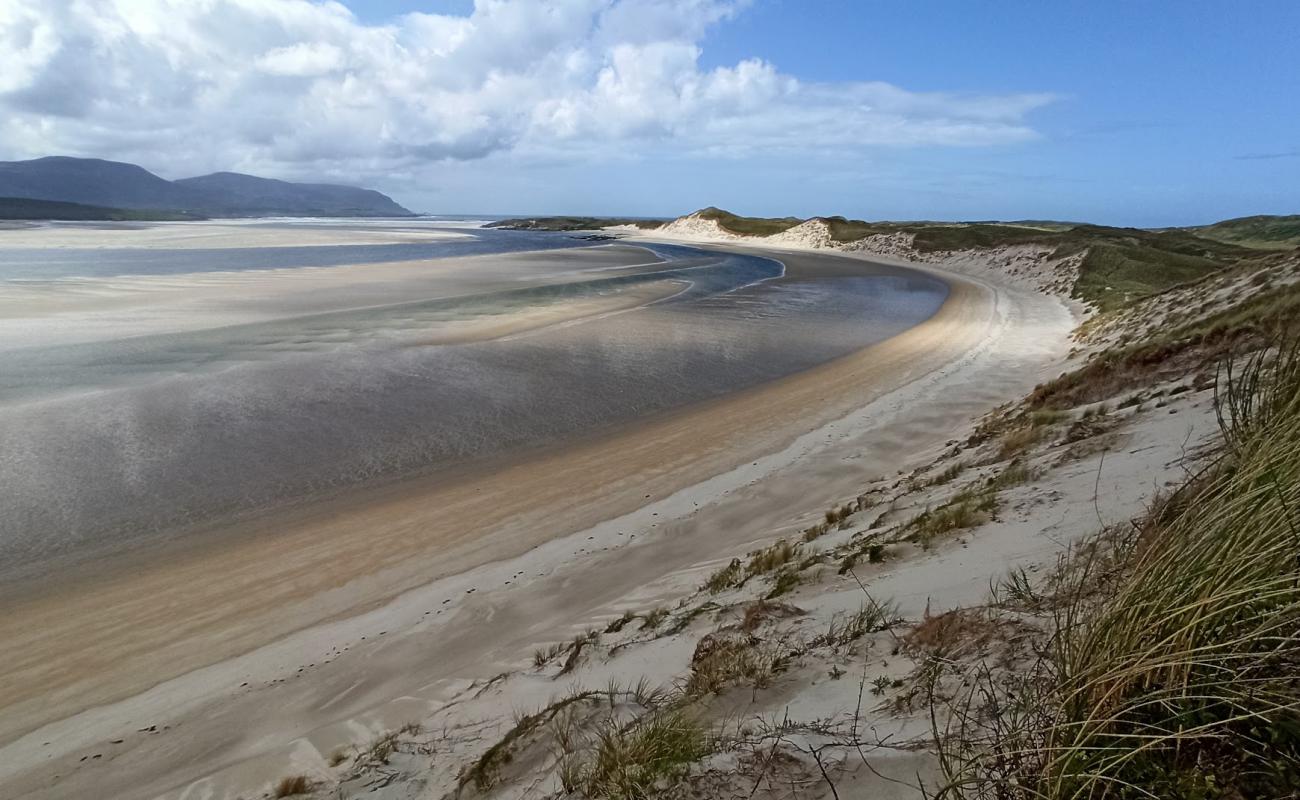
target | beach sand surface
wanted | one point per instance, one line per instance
(212, 665)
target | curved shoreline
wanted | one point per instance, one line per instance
(271, 587)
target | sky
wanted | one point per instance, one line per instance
(1142, 113)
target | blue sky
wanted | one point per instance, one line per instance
(1171, 112)
(1129, 113)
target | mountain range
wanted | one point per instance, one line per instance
(116, 185)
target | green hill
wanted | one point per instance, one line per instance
(28, 209)
(1264, 231)
(1120, 265)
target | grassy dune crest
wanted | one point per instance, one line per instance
(1174, 661)
(1120, 265)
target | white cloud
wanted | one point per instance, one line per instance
(305, 59)
(295, 88)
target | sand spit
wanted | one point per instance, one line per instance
(72, 310)
(218, 234)
(1029, 266)
(212, 674)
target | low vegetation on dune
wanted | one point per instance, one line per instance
(1265, 231)
(1173, 664)
(24, 208)
(748, 226)
(1119, 265)
(1159, 657)
(572, 223)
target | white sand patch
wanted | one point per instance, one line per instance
(222, 234)
(1029, 266)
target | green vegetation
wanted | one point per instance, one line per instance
(1200, 343)
(27, 209)
(486, 771)
(748, 226)
(1172, 670)
(1119, 265)
(631, 762)
(572, 223)
(1267, 232)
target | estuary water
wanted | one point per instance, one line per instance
(272, 376)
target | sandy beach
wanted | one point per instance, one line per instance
(318, 620)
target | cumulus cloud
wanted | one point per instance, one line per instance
(296, 88)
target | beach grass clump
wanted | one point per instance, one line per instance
(486, 771)
(292, 785)
(725, 578)
(636, 760)
(815, 532)
(948, 475)
(653, 618)
(771, 558)
(721, 661)
(1019, 439)
(846, 628)
(1013, 474)
(575, 649)
(1182, 679)
(785, 582)
(619, 624)
(969, 508)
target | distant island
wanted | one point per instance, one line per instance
(64, 188)
(572, 223)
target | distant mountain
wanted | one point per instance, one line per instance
(232, 193)
(115, 185)
(94, 182)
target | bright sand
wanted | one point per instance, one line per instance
(320, 619)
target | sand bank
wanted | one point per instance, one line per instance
(217, 234)
(316, 623)
(72, 310)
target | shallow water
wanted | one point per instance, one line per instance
(124, 439)
(28, 263)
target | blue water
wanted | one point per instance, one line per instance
(26, 264)
(121, 440)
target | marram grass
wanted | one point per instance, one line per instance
(1181, 679)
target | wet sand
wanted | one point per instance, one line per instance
(81, 660)
(219, 234)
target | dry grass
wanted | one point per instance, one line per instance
(1181, 677)
(485, 772)
(292, 785)
(653, 618)
(636, 760)
(725, 578)
(727, 658)
(967, 509)
(1019, 439)
(771, 558)
(845, 629)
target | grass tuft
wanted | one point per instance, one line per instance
(292, 785)
(1176, 676)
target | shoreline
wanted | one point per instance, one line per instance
(957, 330)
